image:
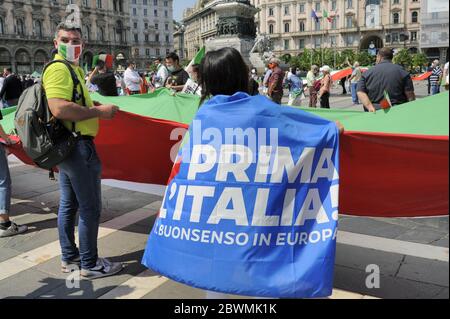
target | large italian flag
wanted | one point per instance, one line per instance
(394, 163)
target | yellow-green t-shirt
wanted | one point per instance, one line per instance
(58, 84)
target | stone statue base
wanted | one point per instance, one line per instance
(243, 45)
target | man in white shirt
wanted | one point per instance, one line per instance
(161, 74)
(132, 79)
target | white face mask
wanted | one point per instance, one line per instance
(70, 52)
(171, 68)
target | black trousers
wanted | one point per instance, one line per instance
(325, 100)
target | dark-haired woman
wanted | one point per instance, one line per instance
(214, 189)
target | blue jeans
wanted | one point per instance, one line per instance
(354, 95)
(5, 183)
(79, 180)
(435, 89)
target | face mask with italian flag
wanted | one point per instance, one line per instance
(70, 52)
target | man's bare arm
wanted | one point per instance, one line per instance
(69, 111)
(364, 98)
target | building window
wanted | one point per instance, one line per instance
(156, 26)
(271, 28)
(145, 12)
(333, 40)
(2, 26)
(101, 34)
(349, 4)
(286, 10)
(158, 52)
(166, 3)
(413, 36)
(414, 16)
(166, 26)
(302, 8)
(156, 37)
(147, 52)
(349, 39)
(317, 6)
(145, 25)
(136, 38)
(286, 27)
(99, 4)
(155, 2)
(302, 26)
(334, 23)
(394, 37)
(88, 33)
(86, 3)
(301, 43)
(317, 42)
(349, 22)
(155, 13)
(286, 44)
(396, 1)
(166, 13)
(271, 14)
(134, 11)
(38, 28)
(333, 5)
(133, 1)
(135, 25)
(167, 39)
(396, 18)
(317, 25)
(20, 27)
(146, 38)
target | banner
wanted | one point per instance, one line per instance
(406, 146)
(251, 207)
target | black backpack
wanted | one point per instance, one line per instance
(44, 138)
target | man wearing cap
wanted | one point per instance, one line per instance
(275, 91)
(325, 86)
(385, 77)
(311, 79)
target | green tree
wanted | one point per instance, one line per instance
(344, 56)
(286, 58)
(419, 60)
(403, 58)
(303, 60)
(364, 58)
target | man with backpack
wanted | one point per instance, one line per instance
(80, 171)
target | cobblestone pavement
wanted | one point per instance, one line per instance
(412, 254)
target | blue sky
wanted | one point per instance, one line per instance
(179, 6)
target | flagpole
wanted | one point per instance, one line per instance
(321, 42)
(311, 52)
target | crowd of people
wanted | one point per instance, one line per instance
(80, 173)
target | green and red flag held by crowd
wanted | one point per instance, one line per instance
(386, 103)
(393, 163)
(108, 59)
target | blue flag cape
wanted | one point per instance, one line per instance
(264, 228)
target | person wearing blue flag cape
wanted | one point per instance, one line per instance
(251, 207)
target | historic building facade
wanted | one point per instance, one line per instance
(178, 41)
(340, 24)
(27, 30)
(199, 25)
(152, 30)
(434, 29)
